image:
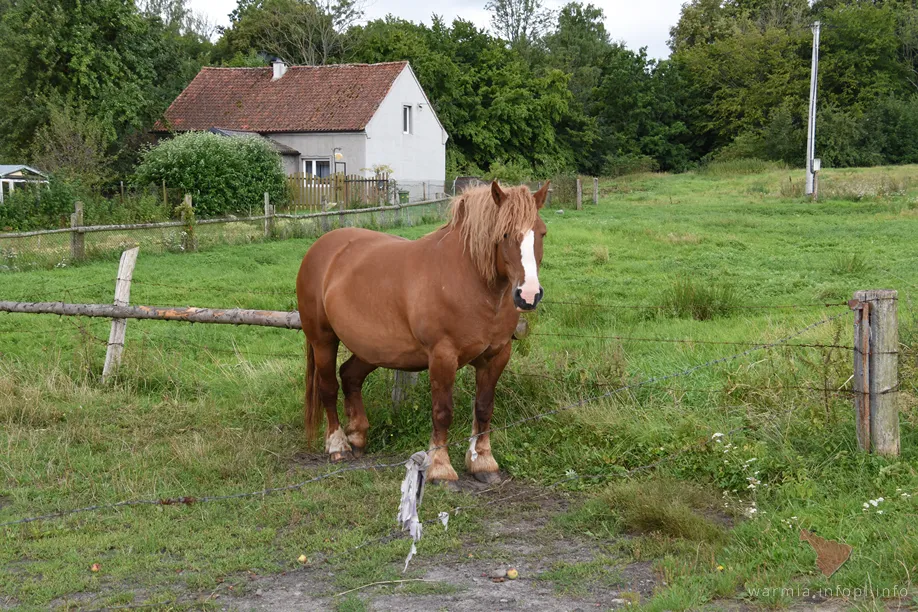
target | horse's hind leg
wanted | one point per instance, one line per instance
(481, 463)
(326, 358)
(353, 373)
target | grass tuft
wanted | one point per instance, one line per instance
(848, 263)
(701, 301)
(667, 507)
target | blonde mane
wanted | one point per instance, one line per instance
(482, 224)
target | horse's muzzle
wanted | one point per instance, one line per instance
(522, 304)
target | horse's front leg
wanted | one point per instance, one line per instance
(443, 365)
(478, 458)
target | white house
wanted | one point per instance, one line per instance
(322, 119)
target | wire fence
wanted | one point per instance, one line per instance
(62, 247)
(211, 498)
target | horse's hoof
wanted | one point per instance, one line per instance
(487, 477)
(449, 485)
(357, 450)
(341, 456)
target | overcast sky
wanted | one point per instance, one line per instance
(638, 23)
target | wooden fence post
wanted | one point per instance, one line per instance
(403, 382)
(595, 190)
(876, 370)
(324, 222)
(188, 233)
(165, 195)
(119, 326)
(579, 194)
(269, 216)
(77, 238)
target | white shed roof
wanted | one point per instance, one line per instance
(20, 171)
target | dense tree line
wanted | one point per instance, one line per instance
(83, 80)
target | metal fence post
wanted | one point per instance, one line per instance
(876, 370)
(595, 190)
(579, 194)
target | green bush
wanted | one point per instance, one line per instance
(892, 129)
(223, 175)
(38, 207)
(511, 172)
(620, 165)
(50, 206)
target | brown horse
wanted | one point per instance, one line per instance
(441, 302)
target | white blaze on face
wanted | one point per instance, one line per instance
(530, 288)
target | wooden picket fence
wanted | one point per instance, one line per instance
(338, 190)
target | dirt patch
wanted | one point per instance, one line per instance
(518, 534)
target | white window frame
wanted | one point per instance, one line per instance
(311, 162)
(407, 128)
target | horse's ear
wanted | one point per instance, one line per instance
(497, 193)
(541, 195)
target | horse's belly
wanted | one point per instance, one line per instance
(387, 353)
(374, 336)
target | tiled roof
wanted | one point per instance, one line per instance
(337, 98)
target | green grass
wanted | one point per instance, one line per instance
(208, 409)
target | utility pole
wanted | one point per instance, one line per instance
(811, 124)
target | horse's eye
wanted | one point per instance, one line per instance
(505, 235)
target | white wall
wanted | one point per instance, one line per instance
(415, 157)
(320, 145)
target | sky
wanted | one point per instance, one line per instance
(637, 23)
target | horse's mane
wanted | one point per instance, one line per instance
(482, 224)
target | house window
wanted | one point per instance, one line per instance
(406, 119)
(317, 167)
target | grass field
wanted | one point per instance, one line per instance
(713, 257)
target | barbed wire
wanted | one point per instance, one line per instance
(236, 350)
(649, 381)
(583, 383)
(613, 306)
(71, 290)
(263, 492)
(190, 500)
(198, 289)
(681, 340)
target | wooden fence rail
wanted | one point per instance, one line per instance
(188, 314)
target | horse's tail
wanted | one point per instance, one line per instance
(312, 412)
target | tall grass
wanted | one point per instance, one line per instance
(699, 300)
(734, 167)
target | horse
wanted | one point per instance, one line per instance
(438, 303)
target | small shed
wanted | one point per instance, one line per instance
(20, 175)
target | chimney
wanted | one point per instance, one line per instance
(280, 68)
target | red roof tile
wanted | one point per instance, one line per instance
(338, 98)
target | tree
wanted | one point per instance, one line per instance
(74, 147)
(520, 22)
(493, 105)
(305, 32)
(103, 57)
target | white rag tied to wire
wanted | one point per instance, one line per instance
(412, 493)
